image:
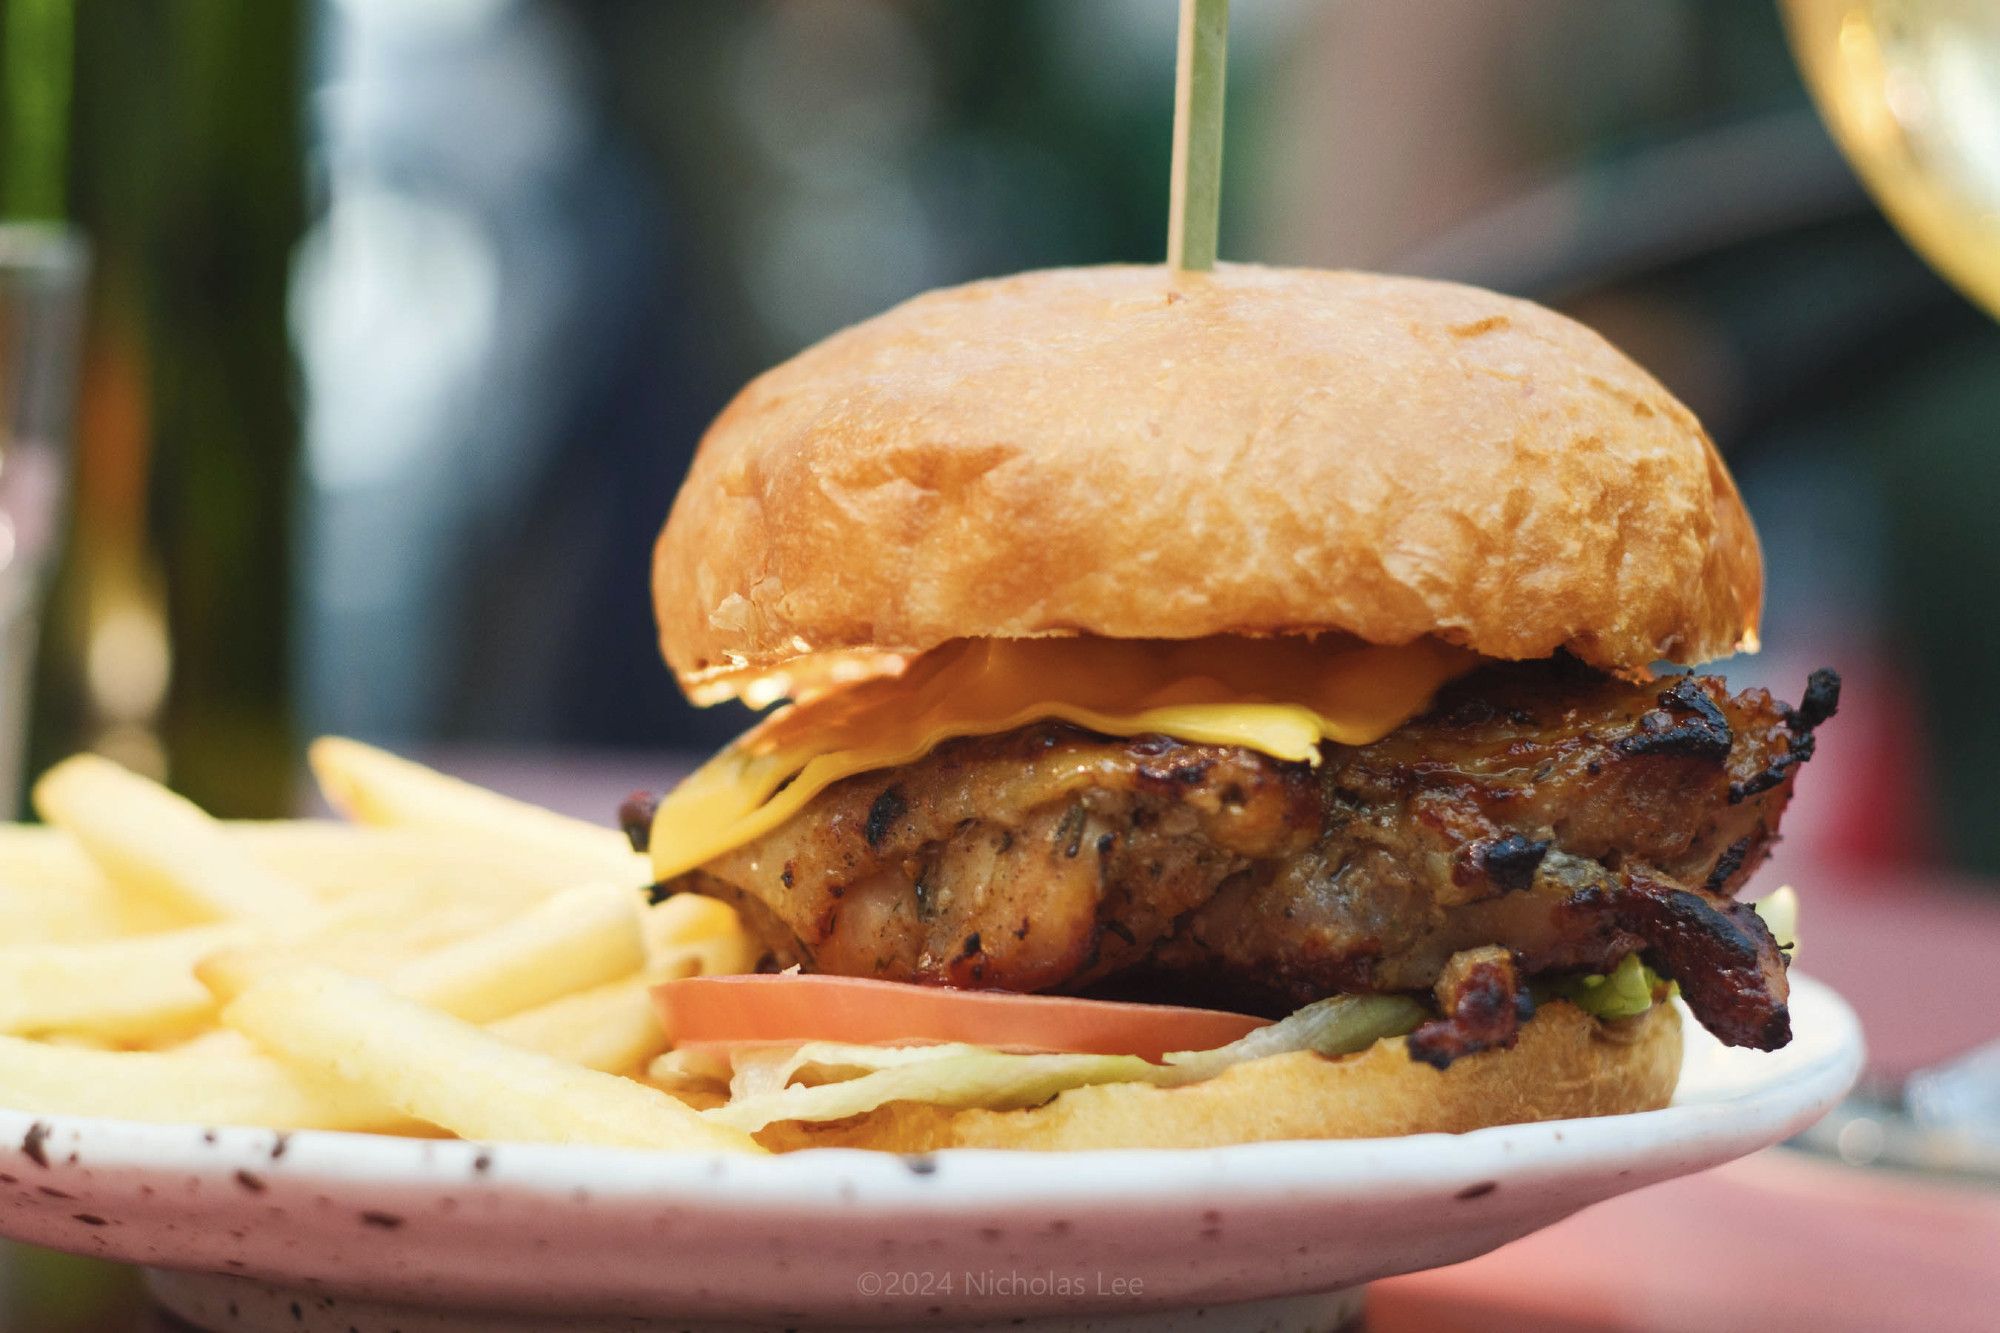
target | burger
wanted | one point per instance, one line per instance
(1220, 706)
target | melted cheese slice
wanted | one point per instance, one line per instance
(1279, 696)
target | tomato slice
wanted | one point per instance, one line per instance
(721, 1012)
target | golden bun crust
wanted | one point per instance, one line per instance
(1565, 1064)
(1134, 453)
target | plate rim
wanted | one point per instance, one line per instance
(1806, 1086)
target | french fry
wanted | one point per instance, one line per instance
(371, 934)
(612, 1028)
(367, 954)
(337, 860)
(51, 893)
(208, 1087)
(379, 930)
(372, 786)
(711, 956)
(689, 935)
(221, 1077)
(144, 988)
(133, 989)
(435, 1068)
(161, 845)
(687, 917)
(211, 1040)
(576, 940)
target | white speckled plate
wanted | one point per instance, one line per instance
(343, 1231)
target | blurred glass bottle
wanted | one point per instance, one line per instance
(168, 632)
(1911, 90)
(42, 267)
(41, 307)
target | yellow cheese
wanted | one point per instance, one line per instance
(1279, 696)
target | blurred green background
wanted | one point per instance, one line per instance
(406, 319)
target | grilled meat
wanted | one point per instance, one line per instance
(1481, 1004)
(1568, 817)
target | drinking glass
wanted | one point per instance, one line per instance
(42, 274)
(1911, 90)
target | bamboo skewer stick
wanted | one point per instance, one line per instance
(1194, 202)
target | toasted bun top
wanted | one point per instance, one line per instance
(1137, 453)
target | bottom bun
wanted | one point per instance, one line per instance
(1565, 1064)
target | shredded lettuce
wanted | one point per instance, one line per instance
(1780, 911)
(1625, 992)
(820, 1081)
(1341, 1025)
(760, 1073)
(951, 1075)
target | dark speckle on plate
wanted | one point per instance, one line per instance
(386, 1221)
(1478, 1191)
(34, 1144)
(254, 1183)
(921, 1164)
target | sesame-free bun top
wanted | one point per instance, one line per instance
(1137, 453)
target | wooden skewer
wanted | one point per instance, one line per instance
(1194, 203)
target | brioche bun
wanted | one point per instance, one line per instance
(1565, 1064)
(1137, 453)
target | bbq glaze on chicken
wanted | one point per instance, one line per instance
(1567, 817)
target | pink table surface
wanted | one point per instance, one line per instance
(1774, 1242)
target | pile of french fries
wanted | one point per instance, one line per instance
(449, 961)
